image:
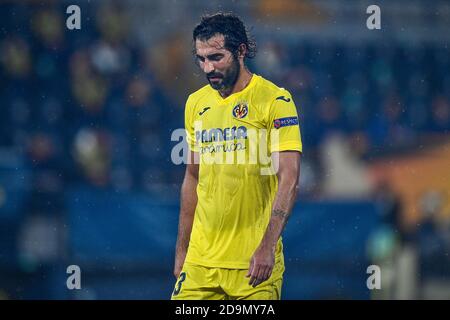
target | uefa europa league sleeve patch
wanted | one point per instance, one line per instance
(285, 122)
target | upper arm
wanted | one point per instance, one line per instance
(189, 121)
(192, 166)
(283, 123)
(288, 165)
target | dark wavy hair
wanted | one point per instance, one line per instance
(231, 27)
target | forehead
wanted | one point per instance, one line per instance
(215, 44)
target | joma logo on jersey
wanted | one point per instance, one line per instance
(219, 134)
(240, 111)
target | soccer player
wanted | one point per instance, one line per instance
(232, 213)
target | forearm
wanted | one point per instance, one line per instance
(187, 210)
(263, 260)
(288, 178)
(281, 210)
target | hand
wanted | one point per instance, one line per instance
(261, 265)
(179, 261)
(177, 270)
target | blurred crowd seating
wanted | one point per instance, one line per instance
(86, 107)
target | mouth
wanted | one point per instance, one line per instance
(214, 79)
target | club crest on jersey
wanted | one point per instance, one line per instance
(240, 111)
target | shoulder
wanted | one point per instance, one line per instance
(197, 96)
(268, 96)
(270, 91)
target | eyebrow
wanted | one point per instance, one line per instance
(210, 56)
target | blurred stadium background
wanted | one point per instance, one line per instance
(86, 121)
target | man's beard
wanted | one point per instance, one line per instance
(228, 79)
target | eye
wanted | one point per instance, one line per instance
(200, 58)
(216, 57)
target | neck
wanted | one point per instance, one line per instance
(243, 80)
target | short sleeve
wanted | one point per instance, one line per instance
(189, 125)
(283, 124)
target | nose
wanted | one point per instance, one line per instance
(208, 66)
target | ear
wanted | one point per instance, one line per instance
(242, 50)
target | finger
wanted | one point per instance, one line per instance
(256, 282)
(254, 274)
(252, 279)
(250, 269)
(258, 276)
(265, 274)
(268, 273)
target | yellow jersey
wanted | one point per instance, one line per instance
(237, 184)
